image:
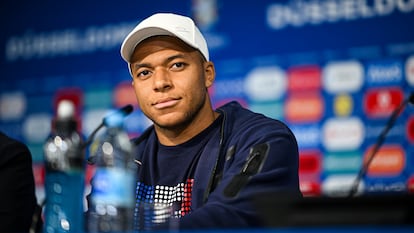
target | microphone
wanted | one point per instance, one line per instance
(124, 111)
(379, 143)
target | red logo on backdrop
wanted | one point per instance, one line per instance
(381, 102)
(310, 161)
(306, 107)
(304, 78)
(309, 172)
(410, 129)
(124, 94)
(410, 184)
(310, 188)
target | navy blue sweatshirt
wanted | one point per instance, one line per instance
(240, 156)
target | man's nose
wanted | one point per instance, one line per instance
(162, 80)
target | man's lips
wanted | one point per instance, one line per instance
(165, 103)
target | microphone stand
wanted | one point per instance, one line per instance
(126, 110)
(379, 143)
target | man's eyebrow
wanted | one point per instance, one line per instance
(168, 59)
(140, 65)
(180, 55)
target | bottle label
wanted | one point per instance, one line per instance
(64, 202)
(113, 186)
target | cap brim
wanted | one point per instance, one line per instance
(134, 38)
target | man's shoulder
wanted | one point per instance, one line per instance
(237, 113)
(241, 122)
(234, 110)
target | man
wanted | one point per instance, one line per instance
(208, 164)
(18, 204)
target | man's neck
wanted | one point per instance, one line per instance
(180, 134)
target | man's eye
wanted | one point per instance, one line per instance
(143, 74)
(178, 65)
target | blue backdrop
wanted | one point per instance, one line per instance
(332, 70)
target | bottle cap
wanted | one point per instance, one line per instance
(65, 110)
(65, 116)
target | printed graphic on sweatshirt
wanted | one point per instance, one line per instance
(177, 197)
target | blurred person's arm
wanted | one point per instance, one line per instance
(17, 195)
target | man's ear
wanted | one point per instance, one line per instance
(210, 73)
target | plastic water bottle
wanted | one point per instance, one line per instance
(111, 202)
(65, 165)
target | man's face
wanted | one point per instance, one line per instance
(170, 80)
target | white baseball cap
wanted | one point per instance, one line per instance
(165, 24)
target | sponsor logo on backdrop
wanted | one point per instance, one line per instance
(340, 185)
(374, 186)
(388, 161)
(409, 70)
(380, 102)
(410, 184)
(341, 162)
(309, 187)
(308, 136)
(373, 129)
(310, 161)
(12, 106)
(98, 98)
(304, 107)
(410, 129)
(265, 84)
(384, 73)
(346, 76)
(228, 88)
(341, 134)
(309, 172)
(343, 105)
(272, 109)
(304, 78)
(124, 94)
(36, 127)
